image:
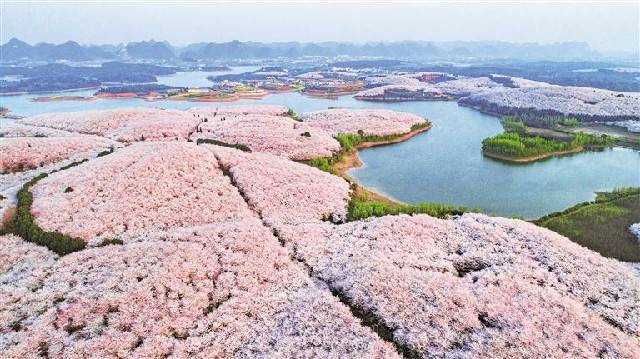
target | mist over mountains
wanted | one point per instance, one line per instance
(17, 50)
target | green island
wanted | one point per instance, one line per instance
(601, 225)
(517, 144)
(364, 203)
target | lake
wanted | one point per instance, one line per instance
(442, 165)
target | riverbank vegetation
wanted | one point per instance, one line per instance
(364, 204)
(511, 123)
(350, 142)
(361, 207)
(601, 225)
(294, 116)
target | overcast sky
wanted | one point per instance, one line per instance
(604, 25)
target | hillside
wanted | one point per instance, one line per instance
(184, 249)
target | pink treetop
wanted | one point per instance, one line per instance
(277, 135)
(236, 110)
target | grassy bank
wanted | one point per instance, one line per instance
(364, 203)
(602, 225)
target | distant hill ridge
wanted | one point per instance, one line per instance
(15, 50)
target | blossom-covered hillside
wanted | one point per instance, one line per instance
(139, 124)
(371, 122)
(199, 250)
(285, 192)
(581, 101)
(140, 188)
(215, 291)
(279, 135)
(26, 153)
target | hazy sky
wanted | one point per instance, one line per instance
(604, 25)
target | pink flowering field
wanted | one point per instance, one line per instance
(283, 191)
(477, 286)
(278, 135)
(237, 110)
(215, 291)
(25, 153)
(143, 187)
(371, 122)
(10, 130)
(127, 125)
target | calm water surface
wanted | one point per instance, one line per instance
(443, 165)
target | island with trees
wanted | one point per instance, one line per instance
(519, 145)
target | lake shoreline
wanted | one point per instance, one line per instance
(351, 160)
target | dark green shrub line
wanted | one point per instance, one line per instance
(24, 224)
(110, 241)
(360, 207)
(238, 146)
(106, 152)
(72, 164)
